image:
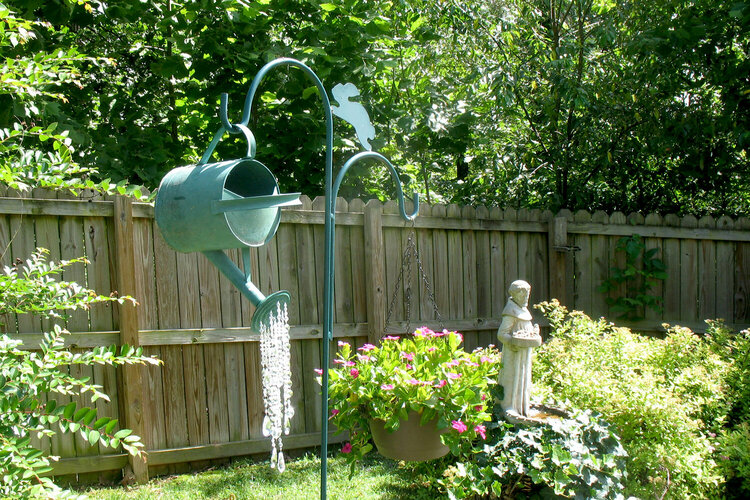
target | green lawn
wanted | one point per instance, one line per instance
(375, 478)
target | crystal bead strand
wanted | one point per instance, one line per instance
(277, 383)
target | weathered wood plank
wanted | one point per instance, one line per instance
(173, 381)
(689, 274)
(455, 267)
(193, 363)
(216, 379)
(510, 243)
(672, 283)
(427, 256)
(393, 263)
(72, 247)
(657, 285)
(482, 269)
(286, 242)
(497, 267)
(358, 264)
(136, 402)
(441, 285)
(707, 272)
(309, 313)
(539, 260)
(742, 273)
(375, 270)
(725, 269)
(582, 262)
(469, 261)
(241, 448)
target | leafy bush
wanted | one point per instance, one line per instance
(654, 391)
(27, 377)
(733, 458)
(577, 456)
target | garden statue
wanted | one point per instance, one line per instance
(519, 337)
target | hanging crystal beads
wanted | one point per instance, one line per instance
(277, 381)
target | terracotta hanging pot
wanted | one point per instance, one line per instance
(411, 442)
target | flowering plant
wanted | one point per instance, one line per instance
(427, 373)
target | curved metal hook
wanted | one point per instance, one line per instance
(223, 115)
(251, 147)
(400, 193)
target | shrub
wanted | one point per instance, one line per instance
(577, 456)
(27, 377)
(654, 391)
(733, 458)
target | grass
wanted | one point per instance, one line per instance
(374, 478)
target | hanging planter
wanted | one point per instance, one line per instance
(411, 442)
(426, 376)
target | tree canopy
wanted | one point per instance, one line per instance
(579, 104)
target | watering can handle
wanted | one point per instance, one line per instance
(245, 131)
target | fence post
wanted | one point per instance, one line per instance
(558, 257)
(132, 382)
(374, 270)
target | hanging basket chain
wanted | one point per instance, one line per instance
(406, 268)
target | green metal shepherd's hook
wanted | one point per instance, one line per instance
(331, 190)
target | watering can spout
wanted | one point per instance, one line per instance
(264, 306)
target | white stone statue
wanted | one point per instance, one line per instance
(519, 338)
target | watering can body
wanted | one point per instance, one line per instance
(219, 206)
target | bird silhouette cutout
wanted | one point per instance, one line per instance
(353, 113)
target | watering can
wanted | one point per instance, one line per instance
(212, 207)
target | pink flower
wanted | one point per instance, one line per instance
(481, 430)
(431, 349)
(453, 376)
(453, 362)
(344, 362)
(484, 396)
(318, 371)
(485, 359)
(409, 367)
(459, 426)
(413, 381)
(423, 332)
(391, 337)
(342, 343)
(354, 372)
(347, 448)
(387, 387)
(441, 383)
(367, 348)
(478, 408)
(334, 412)
(364, 359)
(409, 356)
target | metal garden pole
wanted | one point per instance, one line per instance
(330, 219)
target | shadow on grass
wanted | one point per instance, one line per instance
(374, 478)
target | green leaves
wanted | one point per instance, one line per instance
(30, 381)
(639, 276)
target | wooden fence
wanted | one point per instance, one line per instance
(205, 402)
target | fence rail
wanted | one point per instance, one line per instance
(205, 402)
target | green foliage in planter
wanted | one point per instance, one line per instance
(654, 391)
(641, 272)
(574, 457)
(27, 377)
